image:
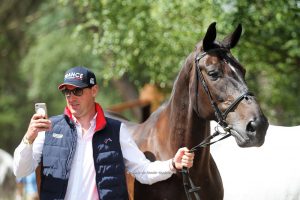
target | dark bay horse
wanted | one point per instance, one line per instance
(184, 119)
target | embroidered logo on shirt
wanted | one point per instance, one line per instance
(107, 140)
(57, 135)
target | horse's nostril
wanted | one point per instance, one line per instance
(251, 126)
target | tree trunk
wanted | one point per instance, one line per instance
(128, 92)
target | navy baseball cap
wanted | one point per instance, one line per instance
(80, 77)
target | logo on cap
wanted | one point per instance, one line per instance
(74, 75)
(92, 81)
(80, 77)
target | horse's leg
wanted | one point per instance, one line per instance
(214, 189)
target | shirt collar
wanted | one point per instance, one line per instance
(99, 116)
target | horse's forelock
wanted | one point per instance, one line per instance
(215, 45)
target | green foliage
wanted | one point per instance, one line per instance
(149, 40)
(270, 48)
(51, 54)
(146, 39)
(13, 113)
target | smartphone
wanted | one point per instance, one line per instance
(41, 108)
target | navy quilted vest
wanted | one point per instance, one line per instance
(58, 151)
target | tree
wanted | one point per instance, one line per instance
(148, 40)
(145, 39)
(270, 47)
(14, 18)
(138, 42)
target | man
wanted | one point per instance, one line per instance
(84, 154)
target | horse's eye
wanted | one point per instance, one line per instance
(213, 74)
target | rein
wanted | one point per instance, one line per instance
(188, 184)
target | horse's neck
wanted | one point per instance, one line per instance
(187, 128)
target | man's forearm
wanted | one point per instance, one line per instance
(24, 164)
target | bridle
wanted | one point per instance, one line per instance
(188, 184)
(221, 116)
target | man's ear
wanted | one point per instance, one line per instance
(95, 90)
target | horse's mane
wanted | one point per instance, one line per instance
(185, 70)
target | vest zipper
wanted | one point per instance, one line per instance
(73, 146)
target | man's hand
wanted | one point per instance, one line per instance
(183, 158)
(37, 124)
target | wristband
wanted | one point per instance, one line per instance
(173, 164)
(26, 141)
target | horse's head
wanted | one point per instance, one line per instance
(220, 81)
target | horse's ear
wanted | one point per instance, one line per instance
(232, 39)
(210, 36)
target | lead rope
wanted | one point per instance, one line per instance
(189, 186)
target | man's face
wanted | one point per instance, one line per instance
(82, 103)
